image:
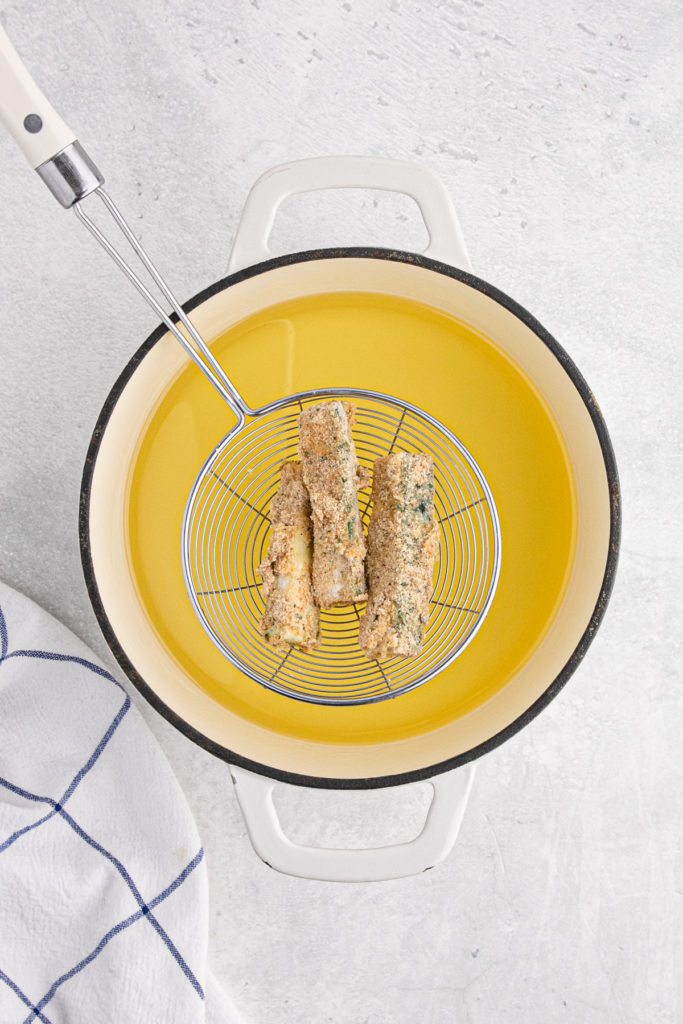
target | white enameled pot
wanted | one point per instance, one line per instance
(429, 742)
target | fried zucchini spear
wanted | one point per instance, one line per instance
(332, 477)
(402, 546)
(291, 617)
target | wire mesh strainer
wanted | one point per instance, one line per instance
(225, 537)
(225, 524)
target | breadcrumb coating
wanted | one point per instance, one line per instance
(291, 617)
(333, 478)
(403, 542)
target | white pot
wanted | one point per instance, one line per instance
(272, 745)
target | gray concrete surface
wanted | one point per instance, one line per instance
(556, 126)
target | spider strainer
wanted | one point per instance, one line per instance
(225, 537)
(224, 529)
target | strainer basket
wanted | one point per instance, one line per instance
(225, 537)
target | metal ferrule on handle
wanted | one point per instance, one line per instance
(70, 175)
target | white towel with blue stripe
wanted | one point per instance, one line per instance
(103, 887)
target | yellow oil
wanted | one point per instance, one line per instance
(414, 352)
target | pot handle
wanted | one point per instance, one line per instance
(446, 241)
(441, 827)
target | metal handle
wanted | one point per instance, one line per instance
(193, 343)
(451, 793)
(446, 241)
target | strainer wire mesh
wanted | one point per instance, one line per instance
(225, 537)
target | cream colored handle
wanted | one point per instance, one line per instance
(35, 125)
(435, 841)
(446, 240)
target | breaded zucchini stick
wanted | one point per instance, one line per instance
(291, 617)
(402, 545)
(332, 477)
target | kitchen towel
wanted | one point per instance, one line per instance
(103, 887)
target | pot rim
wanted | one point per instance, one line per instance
(554, 687)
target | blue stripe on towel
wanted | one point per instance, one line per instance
(52, 656)
(27, 828)
(136, 893)
(3, 635)
(118, 718)
(77, 777)
(24, 998)
(121, 926)
(57, 808)
(26, 795)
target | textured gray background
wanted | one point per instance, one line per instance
(557, 127)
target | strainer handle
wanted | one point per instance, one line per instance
(446, 241)
(36, 126)
(451, 793)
